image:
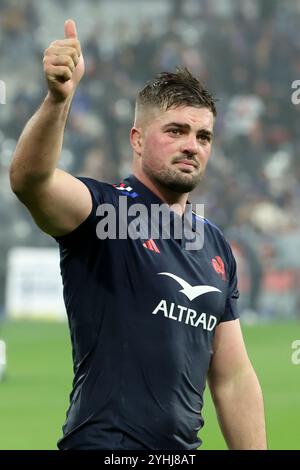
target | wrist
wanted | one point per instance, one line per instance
(60, 102)
(57, 110)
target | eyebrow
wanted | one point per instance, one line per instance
(187, 127)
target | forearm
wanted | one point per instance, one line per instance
(39, 147)
(240, 411)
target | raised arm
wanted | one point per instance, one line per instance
(57, 201)
(236, 391)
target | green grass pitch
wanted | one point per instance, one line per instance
(34, 396)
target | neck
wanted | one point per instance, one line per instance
(168, 196)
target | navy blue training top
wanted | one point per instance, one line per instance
(142, 315)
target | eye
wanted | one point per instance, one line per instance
(204, 138)
(175, 131)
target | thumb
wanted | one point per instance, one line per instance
(70, 29)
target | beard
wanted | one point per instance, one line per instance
(173, 179)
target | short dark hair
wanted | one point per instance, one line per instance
(171, 90)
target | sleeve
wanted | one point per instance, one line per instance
(98, 191)
(231, 311)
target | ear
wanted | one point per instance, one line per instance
(136, 140)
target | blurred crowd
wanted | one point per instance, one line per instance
(247, 52)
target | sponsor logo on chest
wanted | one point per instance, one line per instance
(185, 315)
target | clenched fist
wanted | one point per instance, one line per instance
(64, 64)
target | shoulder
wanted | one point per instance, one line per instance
(101, 192)
(211, 230)
(215, 236)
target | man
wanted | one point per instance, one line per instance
(150, 320)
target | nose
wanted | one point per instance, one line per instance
(190, 145)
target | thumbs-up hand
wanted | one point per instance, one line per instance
(64, 64)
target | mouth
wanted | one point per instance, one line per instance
(187, 164)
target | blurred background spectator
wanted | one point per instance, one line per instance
(246, 51)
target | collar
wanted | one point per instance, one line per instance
(150, 198)
(146, 194)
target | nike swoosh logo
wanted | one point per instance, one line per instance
(191, 291)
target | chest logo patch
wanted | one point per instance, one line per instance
(219, 267)
(191, 292)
